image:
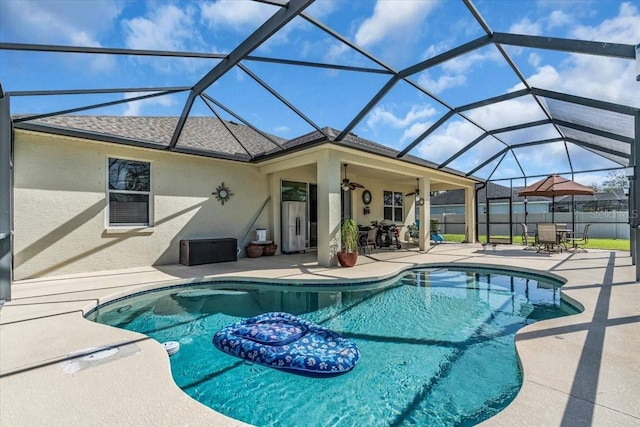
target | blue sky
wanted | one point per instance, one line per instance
(398, 33)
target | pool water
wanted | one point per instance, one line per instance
(437, 347)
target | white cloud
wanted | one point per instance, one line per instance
(414, 131)
(452, 137)
(58, 22)
(235, 14)
(525, 26)
(591, 179)
(282, 130)
(443, 82)
(412, 124)
(436, 49)
(546, 77)
(417, 112)
(62, 22)
(336, 51)
(506, 172)
(454, 72)
(593, 76)
(462, 64)
(323, 8)
(553, 158)
(624, 28)
(455, 135)
(534, 59)
(558, 18)
(134, 108)
(533, 160)
(170, 28)
(165, 28)
(600, 78)
(245, 16)
(506, 113)
(392, 21)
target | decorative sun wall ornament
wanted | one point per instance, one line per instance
(222, 193)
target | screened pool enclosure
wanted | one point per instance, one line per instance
(447, 86)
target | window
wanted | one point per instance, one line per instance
(393, 210)
(129, 193)
(294, 191)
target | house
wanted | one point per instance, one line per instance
(85, 193)
(103, 192)
(452, 202)
(614, 200)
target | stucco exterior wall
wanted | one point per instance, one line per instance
(376, 207)
(377, 187)
(60, 206)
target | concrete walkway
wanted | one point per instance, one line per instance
(581, 370)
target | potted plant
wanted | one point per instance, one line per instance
(349, 235)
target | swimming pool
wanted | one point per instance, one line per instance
(437, 346)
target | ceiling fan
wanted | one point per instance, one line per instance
(417, 190)
(348, 185)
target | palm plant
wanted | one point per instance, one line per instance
(349, 235)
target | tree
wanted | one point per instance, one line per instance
(613, 181)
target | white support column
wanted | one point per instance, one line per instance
(328, 178)
(424, 185)
(470, 214)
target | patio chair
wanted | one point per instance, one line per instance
(547, 238)
(371, 241)
(525, 237)
(578, 240)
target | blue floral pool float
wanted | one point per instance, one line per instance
(284, 341)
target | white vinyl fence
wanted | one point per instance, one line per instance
(604, 225)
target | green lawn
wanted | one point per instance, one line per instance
(613, 244)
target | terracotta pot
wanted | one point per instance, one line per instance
(347, 259)
(254, 251)
(269, 250)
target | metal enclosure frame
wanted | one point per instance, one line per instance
(287, 11)
(488, 204)
(6, 199)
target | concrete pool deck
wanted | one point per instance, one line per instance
(579, 370)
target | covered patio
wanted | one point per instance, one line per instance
(578, 370)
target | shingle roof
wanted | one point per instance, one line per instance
(208, 134)
(204, 135)
(362, 144)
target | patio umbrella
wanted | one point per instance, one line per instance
(555, 185)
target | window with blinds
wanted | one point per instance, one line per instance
(129, 193)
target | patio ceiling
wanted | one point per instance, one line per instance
(513, 129)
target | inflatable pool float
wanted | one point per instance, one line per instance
(284, 341)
